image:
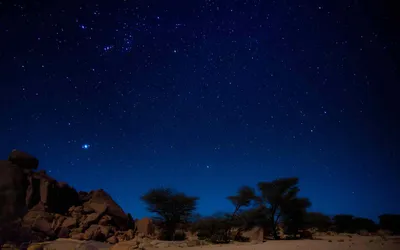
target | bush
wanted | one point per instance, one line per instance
(213, 229)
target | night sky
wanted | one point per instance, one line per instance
(205, 96)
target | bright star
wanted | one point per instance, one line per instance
(85, 146)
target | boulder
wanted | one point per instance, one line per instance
(97, 232)
(105, 220)
(129, 235)
(112, 240)
(39, 221)
(145, 226)
(23, 160)
(76, 230)
(87, 209)
(101, 200)
(58, 221)
(56, 197)
(63, 233)
(78, 236)
(70, 222)
(91, 219)
(255, 235)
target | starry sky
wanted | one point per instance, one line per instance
(205, 96)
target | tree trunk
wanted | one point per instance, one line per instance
(274, 231)
(238, 233)
(171, 231)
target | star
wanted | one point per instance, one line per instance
(85, 146)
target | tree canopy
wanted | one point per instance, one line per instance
(277, 196)
(172, 209)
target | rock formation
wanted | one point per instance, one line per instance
(36, 207)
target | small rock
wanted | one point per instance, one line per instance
(63, 233)
(69, 222)
(105, 220)
(112, 240)
(78, 236)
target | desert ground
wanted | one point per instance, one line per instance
(322, 243)
(340, 242)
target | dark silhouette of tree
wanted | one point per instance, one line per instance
(256, 217)
(390, 222)
(274, 195)
(172, 208)
(243, 198)
(318, 220)
(294, 214)
(343, 223)
(217, 228)
(359, 224)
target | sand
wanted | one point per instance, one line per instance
(340, 242)
(322, 243)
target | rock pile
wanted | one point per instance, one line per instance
(36, 207)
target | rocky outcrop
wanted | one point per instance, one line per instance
(23, 160)
(36, 207)
(13, 186)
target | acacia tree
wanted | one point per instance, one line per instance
(243, 198)
(274, 196)
(172, 208)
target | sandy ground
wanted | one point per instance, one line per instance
(323, 243)
(341, 242)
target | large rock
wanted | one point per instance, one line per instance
(255, 235)
(70, 222)
(101, 200)
(40, 221)
(105, 220)
(97, 232)
(13, 185)
(23, 160)
(57, 197)
(145, 226)
(91, 219)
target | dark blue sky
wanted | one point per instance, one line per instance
(206, 96)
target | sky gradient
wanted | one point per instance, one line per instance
(206, 96)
